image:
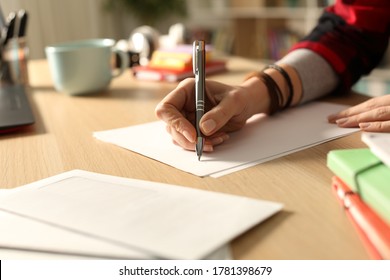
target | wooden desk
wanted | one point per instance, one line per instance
(311, 226)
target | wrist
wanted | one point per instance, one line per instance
(278, 87)
(258, 96)
(295, 86)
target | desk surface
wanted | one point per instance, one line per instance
(312, 225)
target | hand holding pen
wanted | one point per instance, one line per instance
(227, 108)
(199, 62)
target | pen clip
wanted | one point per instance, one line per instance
(195, 57)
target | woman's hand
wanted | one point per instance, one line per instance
(227, 109)
(372, 115)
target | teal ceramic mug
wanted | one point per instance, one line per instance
(83, 67)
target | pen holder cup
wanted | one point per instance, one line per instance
(14, 62)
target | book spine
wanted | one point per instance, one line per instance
(375, 232)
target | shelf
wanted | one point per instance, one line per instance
(262, 12)
(262, 29)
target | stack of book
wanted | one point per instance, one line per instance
(175, 64)
(362, 185)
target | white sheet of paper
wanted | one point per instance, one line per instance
(154, 219)
(26, 238)
(23, 237)
(262, 139)
(20, 253)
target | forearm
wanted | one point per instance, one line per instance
(265, 96)
(316, 76)
(311, 77)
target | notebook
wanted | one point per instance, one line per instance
(15, 109)
(172, 75)
(365, 174)
(379, 144)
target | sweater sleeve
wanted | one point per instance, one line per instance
(352, 36)
(317, 76)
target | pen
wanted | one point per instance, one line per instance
(198, 64)
(22, 17)
(10, 27)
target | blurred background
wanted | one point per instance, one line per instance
(252, 28)
(261, 29)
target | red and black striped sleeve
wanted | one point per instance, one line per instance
(352, 36)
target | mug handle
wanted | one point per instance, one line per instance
(124, 62)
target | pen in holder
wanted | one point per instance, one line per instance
(14, 59)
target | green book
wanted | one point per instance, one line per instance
(365, 174)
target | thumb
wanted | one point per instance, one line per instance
(215, 119)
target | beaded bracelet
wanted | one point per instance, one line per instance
(288, 80)
(275, 95)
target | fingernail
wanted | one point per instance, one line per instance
(208, 148)
(225, 137)
(332, 118)
(216, 140)
(364, 125)
(188, 136)
(342, 121)
(208, 126)
(219, 140)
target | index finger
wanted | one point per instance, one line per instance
(174, 108)
(361, 108)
